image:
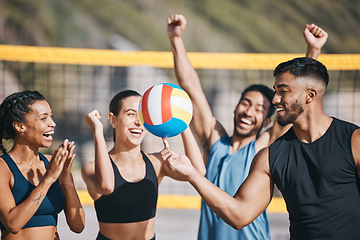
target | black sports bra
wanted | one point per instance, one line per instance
(129, 202)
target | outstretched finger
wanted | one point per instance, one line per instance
(166, 143)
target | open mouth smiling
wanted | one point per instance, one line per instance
(279, 109)
(48, 135)
(136, 131)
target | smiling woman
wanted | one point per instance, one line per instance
(124, 181)
(33, 190)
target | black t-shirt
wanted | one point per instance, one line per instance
(319, 183)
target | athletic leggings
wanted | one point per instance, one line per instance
(102, 237)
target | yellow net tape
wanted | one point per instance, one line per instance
(79, 56)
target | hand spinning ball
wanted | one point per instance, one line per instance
(165, 110)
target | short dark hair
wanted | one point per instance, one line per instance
(116, 102)
(13, 109)
(264, 90)
(304, 67)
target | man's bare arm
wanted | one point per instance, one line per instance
(205, 126)
(251, 199)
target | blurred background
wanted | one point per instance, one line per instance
(226, 26)
(213, 26)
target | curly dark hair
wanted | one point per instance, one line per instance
(13, 109)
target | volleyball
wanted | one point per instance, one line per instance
(165, 110)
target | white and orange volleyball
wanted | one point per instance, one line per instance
(165, 110)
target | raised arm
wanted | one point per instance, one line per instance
(251, 199)
(13, 216)
(315, 38)
(74, 213)
(205, 126)
(98, 175)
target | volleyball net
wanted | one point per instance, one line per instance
(76, 81)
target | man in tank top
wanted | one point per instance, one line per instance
(315, 164)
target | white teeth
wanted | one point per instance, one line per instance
(136, 131)
(48, 135)
(244, 120)
(279, 109)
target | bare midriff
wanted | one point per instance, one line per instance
(35, 233)
(128, 231)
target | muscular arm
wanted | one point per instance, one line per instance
(251, 199)
(205, 126)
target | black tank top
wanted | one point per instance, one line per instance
(319, 183)
(129, 202)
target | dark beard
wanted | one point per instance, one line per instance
(291, 114)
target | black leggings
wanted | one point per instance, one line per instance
(102, 237)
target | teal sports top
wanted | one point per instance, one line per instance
(53, 203)
(228, 172)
